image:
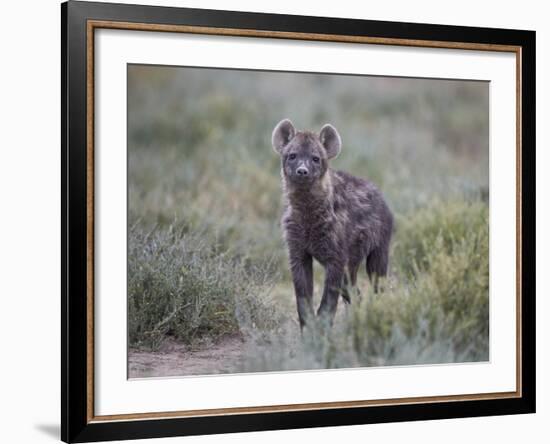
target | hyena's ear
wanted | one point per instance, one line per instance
(331, 141)
(282, 134)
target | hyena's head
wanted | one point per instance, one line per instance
(305, 155)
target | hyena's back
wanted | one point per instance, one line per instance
(369, 223)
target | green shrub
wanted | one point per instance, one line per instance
(181, 284)
(438, 226)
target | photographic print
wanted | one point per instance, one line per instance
(283, 221)
(275, 221)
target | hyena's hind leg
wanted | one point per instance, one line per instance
(353, 268)
(377, 264)
(345, 289)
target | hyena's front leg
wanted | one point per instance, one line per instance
(334, 274)
(301, 266)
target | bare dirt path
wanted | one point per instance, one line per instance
(175, 359)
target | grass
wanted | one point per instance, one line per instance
(206, 256)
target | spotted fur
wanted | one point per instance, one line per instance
(331, 216)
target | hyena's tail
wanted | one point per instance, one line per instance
(377, 264)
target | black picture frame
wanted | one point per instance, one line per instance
(76, 423)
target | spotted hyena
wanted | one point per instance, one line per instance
(331, 216)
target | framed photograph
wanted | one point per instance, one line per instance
(275, 221)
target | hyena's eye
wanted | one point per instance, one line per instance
(292, 156)
(315, 159)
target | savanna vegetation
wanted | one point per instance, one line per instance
(206, 258)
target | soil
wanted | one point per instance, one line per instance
(174, 359)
